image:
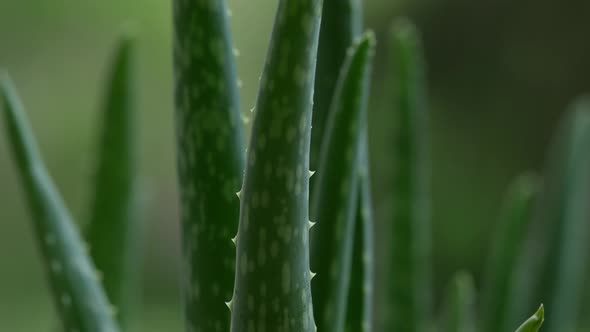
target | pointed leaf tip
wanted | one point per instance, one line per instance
(534, 323)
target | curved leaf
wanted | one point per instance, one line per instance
(81, 302)
(534, 323)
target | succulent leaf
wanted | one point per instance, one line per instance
(410, 292)
(335, 201)
(341, 25)
(210, 158)
(272, 282)
(79, 297)
(112, 230)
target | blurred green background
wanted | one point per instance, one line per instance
(500, 75)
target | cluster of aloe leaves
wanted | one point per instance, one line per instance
(247, 214)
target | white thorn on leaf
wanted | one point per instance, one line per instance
(310, 224)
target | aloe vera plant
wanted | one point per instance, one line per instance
(247, 239)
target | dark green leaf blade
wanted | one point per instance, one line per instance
(335, 202)
(341, 25)
(112, 230)
(506, 247)
(272, 285)
(410, 292)
(210, 157)
(79, 297)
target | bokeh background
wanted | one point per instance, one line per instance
(500, 75)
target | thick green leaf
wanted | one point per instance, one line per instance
(334, 205)
(210, 158)
(341, 25)
(80, 299)
(272, 285)
(460, 304)
(506, 246)
(534, 323)
(410, 292)
(112, 229)
(557, 249)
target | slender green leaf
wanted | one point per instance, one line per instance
(557, 249)
(534, 323)
(272, 285)
(506, 246)
(335, 202)
(112, 229)
(341, 25)
(359, 314)
(460, 304)
(80, 299)
(210, 158)
(410, 293)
